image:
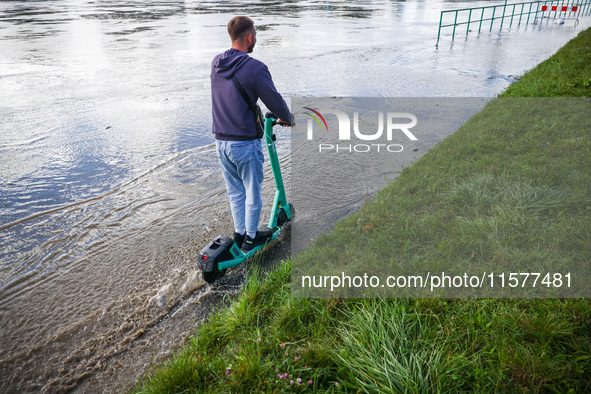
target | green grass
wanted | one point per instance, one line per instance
(567, 73)
(509, 191)
(505, 188)
(377, 345)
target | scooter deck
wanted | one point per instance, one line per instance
(240, 257)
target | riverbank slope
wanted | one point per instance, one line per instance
(268, 341)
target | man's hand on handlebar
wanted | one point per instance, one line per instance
(284, 124)
(281, 122)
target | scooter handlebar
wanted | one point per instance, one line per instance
(278, 121)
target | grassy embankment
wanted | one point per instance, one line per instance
(268, 341)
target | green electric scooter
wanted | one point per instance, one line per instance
(222, 253)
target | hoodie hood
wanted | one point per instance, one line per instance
(226, 64)
(232, 117)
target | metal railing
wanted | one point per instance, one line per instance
(535, 11)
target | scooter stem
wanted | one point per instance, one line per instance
(280, 200)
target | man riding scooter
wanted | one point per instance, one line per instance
(237, 81)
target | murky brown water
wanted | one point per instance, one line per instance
(109, 185)
(122, 299)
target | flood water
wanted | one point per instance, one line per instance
(109, 184)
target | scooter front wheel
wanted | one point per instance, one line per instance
(282, 217)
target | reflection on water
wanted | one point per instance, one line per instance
(108, 183)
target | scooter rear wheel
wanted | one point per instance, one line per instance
(212, 276)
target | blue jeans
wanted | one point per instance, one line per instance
(242, 166)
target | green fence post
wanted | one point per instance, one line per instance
(529, 13)
(455, 22)
(492, 19)
(440, 20)
(481, 17)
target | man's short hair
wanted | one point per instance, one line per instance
(239, 26)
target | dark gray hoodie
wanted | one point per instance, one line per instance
(233, 120)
